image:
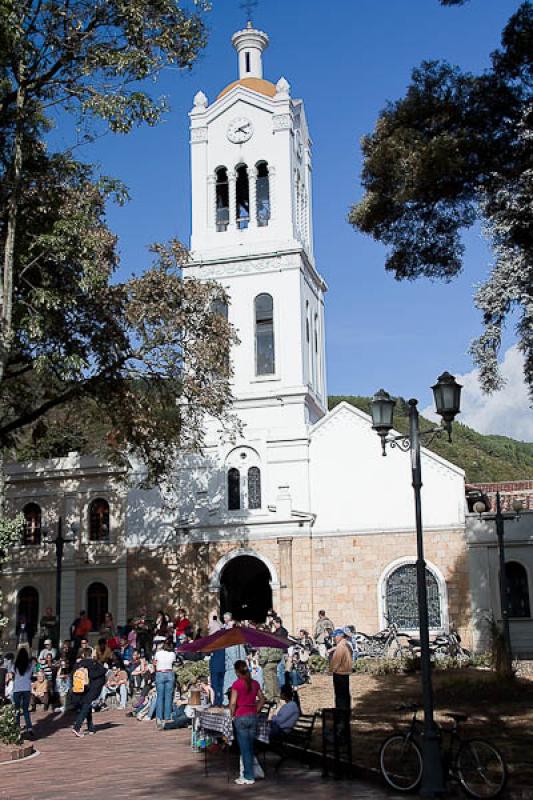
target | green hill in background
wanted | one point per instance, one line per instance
(484, 458)
(81, 426)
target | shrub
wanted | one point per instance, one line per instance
(406, 664)
(482, 660)
(318, 665)
(379, 666)
(190, 671)
(9, 730)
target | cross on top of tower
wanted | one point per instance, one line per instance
(249, 6)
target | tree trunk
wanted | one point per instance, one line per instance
(2, 484)
(6, 329)
(7, 273)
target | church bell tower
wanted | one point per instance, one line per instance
(252, 231)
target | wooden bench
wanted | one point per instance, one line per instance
(298, 739)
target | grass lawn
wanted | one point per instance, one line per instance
(499, 711)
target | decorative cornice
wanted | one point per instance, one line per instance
(274, 261)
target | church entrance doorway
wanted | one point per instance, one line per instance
(27, 614)
(245, 589)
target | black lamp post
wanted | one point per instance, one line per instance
(499, 518)
(447, 394)
(60, 541)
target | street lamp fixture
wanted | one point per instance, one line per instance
(382, 409)
(499, 517)
(447, 395)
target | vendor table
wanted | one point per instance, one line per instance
(219, 724)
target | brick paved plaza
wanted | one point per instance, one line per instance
(131, 759)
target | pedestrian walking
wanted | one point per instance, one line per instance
(21, 673)
(88, 679)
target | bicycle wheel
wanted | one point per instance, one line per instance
(400, 762)
(480, 769)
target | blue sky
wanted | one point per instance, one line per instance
(345, 59)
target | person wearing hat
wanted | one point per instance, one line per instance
(48, 650)
(340, 666)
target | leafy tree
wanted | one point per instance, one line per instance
(151, 353)
(10, 532)
(455, 149)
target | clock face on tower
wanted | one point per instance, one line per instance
(239, 130)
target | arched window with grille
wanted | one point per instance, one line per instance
(262, 194)
(97, 603)
(254, 487)
(222, 198)
(99, 520)
(242, 194)
(401, 600)
(264, 335)
(32, 524)
(517, 590)
(234, 489)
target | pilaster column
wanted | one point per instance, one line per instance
(252, 187)
(232, 186)
(122, 595)
(211, 203)
(69, 601)
(286, 608)
(298, 209)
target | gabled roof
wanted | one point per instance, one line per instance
(356, 413)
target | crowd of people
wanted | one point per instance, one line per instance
(134, 667)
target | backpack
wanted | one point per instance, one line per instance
(80, 680)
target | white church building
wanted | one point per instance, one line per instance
(302, 513)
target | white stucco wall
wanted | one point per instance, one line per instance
(353, 488)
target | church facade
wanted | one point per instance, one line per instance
(302, 512)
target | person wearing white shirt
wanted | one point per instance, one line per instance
(48, 650)
(286, 718)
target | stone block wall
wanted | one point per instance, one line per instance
(340, 574)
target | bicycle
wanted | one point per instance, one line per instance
(475, 764)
